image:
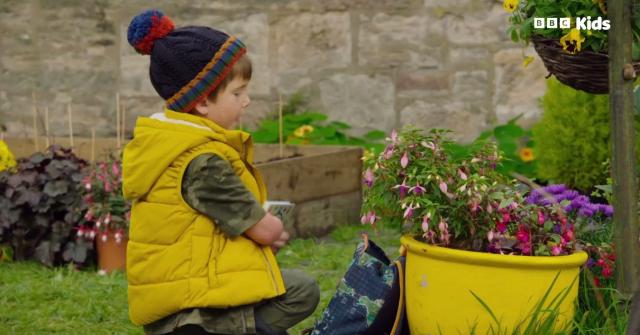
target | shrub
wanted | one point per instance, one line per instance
(40, 206)
(572, 140)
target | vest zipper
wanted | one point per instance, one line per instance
(273, 277)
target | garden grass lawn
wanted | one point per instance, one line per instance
(38, 300)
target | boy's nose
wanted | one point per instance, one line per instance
(247, 102)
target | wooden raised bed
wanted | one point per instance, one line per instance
(323, 181)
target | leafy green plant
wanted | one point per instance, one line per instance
(41, 205)
(302, 125)
(463, 203)
(514, 143)
(572, 139)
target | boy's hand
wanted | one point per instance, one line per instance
(280, 242)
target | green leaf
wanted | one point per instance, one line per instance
(375, 135)
(339, 125)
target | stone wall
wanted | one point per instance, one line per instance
(375, 64)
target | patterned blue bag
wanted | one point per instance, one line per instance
(369, 298)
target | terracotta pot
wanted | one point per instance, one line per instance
(112, 255)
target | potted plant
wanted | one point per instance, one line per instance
(479, 256)
(107, 216)
(571, 38)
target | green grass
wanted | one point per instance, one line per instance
(38, 300)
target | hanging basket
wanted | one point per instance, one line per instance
(586, 70)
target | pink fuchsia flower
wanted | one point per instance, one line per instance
(107, 186)
(541, 218)
(501, 227)
(523, 235)
(103, 237)
(404, 161)
(474, 206)
(428, 145)
(425, 223)
(506, 218)
(388, 151)
(89, 216)
(402, 188)
(430, 236)
(568, 235)
(417, 190)
(607, 272)
(444, 231)
(368, 177)
(115, 169)
(556, 250)
(107, 219)
(462, 175)
(394, 136)
(490, 235)
(370, 218)
(408, 213)
(119, 235)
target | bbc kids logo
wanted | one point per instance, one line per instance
(582, 23)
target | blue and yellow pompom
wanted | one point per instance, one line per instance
(146, 28)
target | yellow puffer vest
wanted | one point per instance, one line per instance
(177, 258)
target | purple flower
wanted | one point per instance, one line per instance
(557, 228)
(408, 213)
(606, 209)
(417, 190)
(388, 151)
(591, 263)
(403, 188)
(555, 189)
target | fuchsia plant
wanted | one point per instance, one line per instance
(462, 203)
(107, 209)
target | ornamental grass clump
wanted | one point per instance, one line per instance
(462, 203)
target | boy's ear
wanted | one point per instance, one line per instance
(202, 107)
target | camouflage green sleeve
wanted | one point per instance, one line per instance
(211, 187)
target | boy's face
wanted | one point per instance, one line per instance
(229, 105)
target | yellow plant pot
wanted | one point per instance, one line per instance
(440, 281)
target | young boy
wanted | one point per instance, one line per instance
(200, 257)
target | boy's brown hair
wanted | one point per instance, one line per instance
(242, 68)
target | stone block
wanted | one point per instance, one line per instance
(414, 83)
(466, 120)
(364, 102)
(393, 40)
(471, 85)
(518, 89)
(311, 42)
(477, 27)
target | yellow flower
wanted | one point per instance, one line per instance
(6, 157)
(527, 61)
(602, 4)
(510, 5)
(526, 154)
(572, 42)
(302, 131)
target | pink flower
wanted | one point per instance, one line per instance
(501, 227)
(87, 186)
(404, 161)
(462, 175)
(490, 235)
(522, 235)
(394, 136)
(506, 218)
(568, 235)
(556, 250)
(115, 169)
(425, 223)
(444, 231)
(429, 145)
(388, 152)
(474, 206)
(107, 218)
(103, 237)
(368, 177)
(107, 187)
(408, 213)
(370, 218)
(541, 218)
(607, 272)
(89, 216)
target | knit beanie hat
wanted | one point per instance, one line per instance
(187, 63)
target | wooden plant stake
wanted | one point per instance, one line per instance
(70, 125)
(93, 145)
(35, 121)
(280, 125)
(46, 125)
(118, 120)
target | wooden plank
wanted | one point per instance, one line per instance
(623, 161)
(312, 177)
(318, 217)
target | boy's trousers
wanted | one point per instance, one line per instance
(275, 316)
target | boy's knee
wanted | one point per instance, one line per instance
(304, 288)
